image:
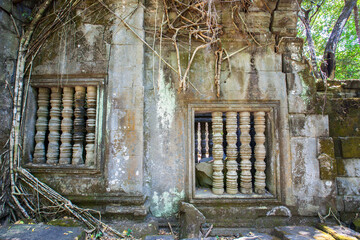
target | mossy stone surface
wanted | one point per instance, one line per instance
(350, 147)
(64, 222)
(326, 158)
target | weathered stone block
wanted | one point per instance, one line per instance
(138, 230)
(123, 35)
(344, 117)
(255, 21)
(349, 167)
(350, 147)
(348, 186)
(204, 172)
(41, 232)
(351, 204)
(306, 178)
(256, 235)
(326, 158)
(301, 232)
(160, 237)
(190, 221)
(302, 125)
(284, 23)
(6, 5)
(339, 232)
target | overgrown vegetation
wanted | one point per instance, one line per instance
(321, 16)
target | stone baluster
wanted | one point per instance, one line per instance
(207, 139)
(218, 177)
(210, 139)
(260, 152)
(52, 156)
(66, 126)
(90, 125)
(199, 141)
(245, 153)
(231, 153)
(41, 125)
(79, 126)
(203, 140)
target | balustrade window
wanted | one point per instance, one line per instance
(230, 153)
(66, 125)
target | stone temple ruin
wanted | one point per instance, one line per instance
(241, 130)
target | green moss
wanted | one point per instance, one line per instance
(350, 147)
(64, 222)
(309, 89)
(356, 223)
(344, 117)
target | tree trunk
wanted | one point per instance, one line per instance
(356, 19)
(328, 66)
(306, 21)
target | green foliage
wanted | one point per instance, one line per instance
(348, 48)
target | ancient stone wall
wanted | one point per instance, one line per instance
(12, 16)
(145, 159)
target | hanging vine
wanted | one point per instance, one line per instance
(197, 20)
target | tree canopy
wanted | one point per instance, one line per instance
(323, 15)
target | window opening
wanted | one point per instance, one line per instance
(234, 144)
(65, 126)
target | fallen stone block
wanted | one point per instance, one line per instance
(255, 235)
(301, 233)
(340, 232)
(190, 221)
(41, 232)
(160, 237)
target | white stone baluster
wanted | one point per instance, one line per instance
(218, 177)
(245, 153)
(90, 125)
(231, 153)
(66, 126)
(41, 125)
(199, 141)
(53, 150)
(207, 139)
(260, 152)
(79, 126)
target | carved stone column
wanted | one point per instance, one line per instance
(218, 177)
(90, 125)
(198, 133)
(41, 125)
(245, 153)
(79, 126)
(66, 126)
(260, 152)
(196, 142)
(231, 153)
(52, 155)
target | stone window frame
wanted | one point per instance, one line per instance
(272, 108)
(49, 81)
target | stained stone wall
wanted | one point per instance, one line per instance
(10, 15)
(144, 168)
